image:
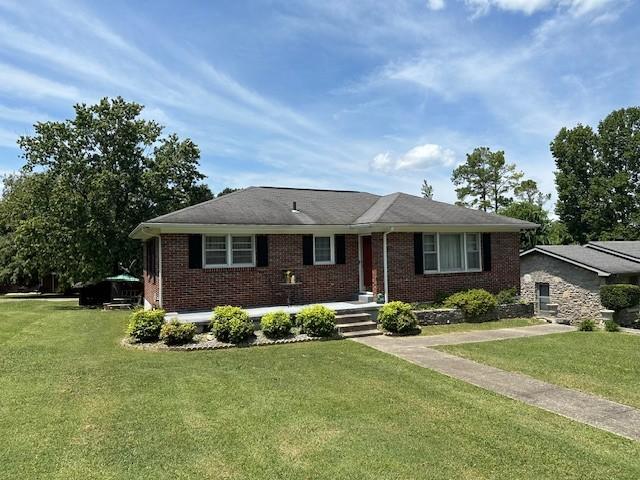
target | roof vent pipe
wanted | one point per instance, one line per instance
(295, 208)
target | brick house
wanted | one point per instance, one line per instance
(570, 276)
(245, 248)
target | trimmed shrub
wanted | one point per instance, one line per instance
(473, 303)
(177, 333)
(145, 325)
(397, 317)
(611, 326)
(507, 296)
(239, 330)
(276, 324)
(227, 318)
(317, 321)
(587, 325)
(619, 296)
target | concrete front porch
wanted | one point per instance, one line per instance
(341, 308)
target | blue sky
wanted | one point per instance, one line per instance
(360, 95)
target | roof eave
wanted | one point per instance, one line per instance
(600, 273)
(148, 230)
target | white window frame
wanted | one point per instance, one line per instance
(436, 242)
(332, 254)
(229, 251)
(465, 268)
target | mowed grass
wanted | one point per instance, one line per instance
(470, 327)
(603, 363)
(74, 404)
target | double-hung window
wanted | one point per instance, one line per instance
(451, 252)
(229, 251)
(323, 250)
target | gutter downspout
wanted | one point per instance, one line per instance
(385, 264)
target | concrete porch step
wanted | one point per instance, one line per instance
(355, 327)
(362, 333)
(365, 297)
(352, 318)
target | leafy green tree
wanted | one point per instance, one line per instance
(528, 191)
(426, 190)
(530, 212)
(226, 191)
(485, 180)
(86, 183)
(598, 178)
(559, 234)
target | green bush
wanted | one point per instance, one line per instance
(611, 326)
(587, 325)
(317, 321)
(145, 325)
(240, 330)
(473, 303)
(619, 296)
(177, 333)
(276, 324)
(397, 317)
(229, 323)
(507, 296)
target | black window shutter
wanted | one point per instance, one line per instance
(340, 249)
(195, 251)
(262, 251)
(307, 249)
(486, 252)
(418, 257)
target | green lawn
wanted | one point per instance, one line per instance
(469, 327)
(607, 364)
(74, 404)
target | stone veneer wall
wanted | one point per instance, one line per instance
(444, 316)
(574, 289)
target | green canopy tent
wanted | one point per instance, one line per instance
(125, 288)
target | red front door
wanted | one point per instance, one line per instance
(367, 260)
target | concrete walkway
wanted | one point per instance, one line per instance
(582, 407)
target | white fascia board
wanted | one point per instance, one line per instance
(148, 230)
(601, 273)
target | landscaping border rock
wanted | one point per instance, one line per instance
(446, 316)
(207, 341)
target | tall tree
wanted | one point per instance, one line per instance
(104, 171)
(485, 180)
(426, 190)
(528, 191)
(574, 151)
(530, 212)
(598, 178)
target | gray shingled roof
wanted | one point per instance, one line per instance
(273, 206)
(402, 208)
(591, 258)
(626, 248)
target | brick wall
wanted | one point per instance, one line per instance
(406, 285)
(204, 288)
(150, 276)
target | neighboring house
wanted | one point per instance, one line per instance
(236, 249)
(570, 276)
